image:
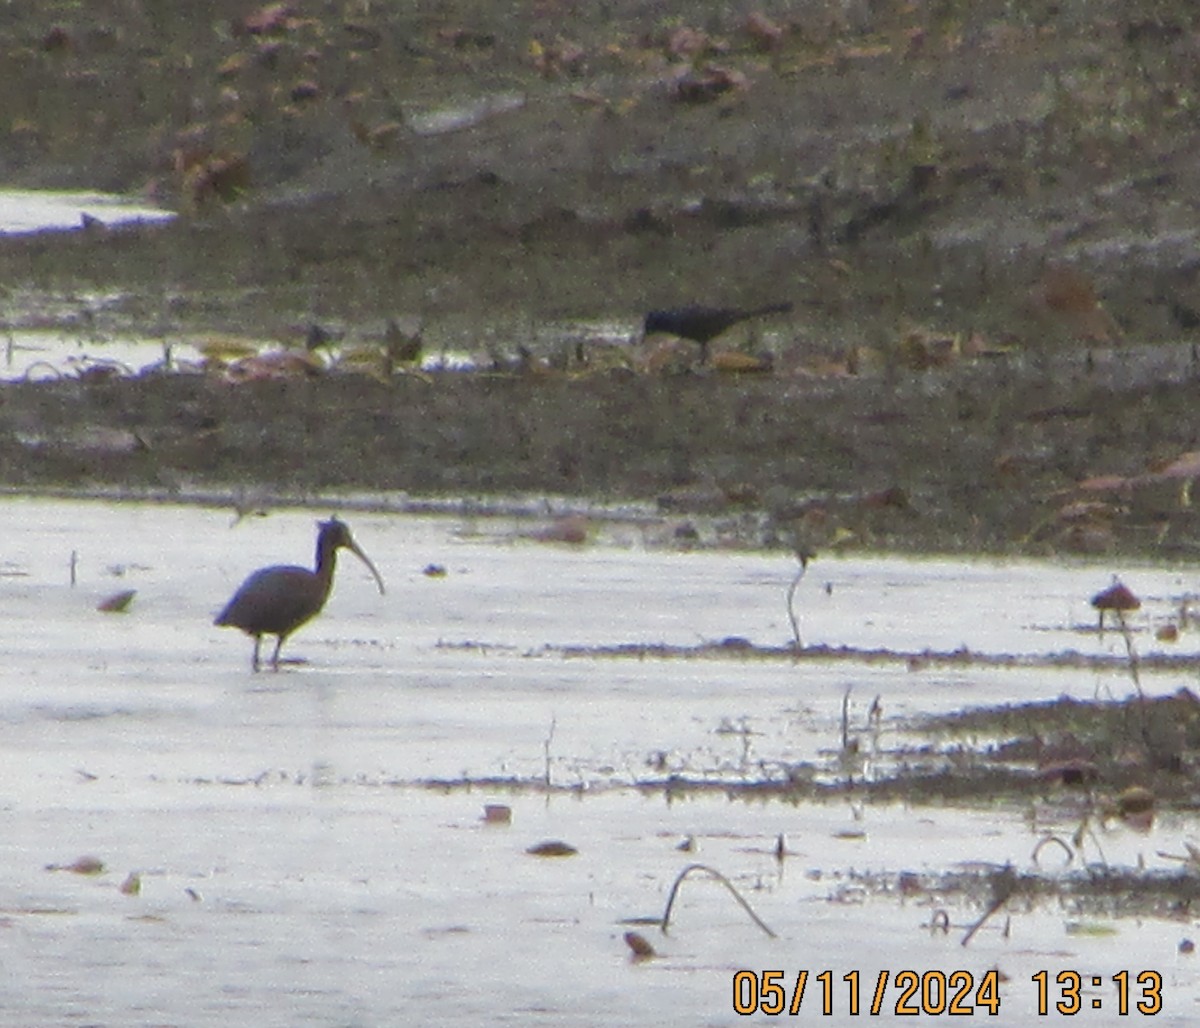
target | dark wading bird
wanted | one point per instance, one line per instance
(703, 324)
(278, 600)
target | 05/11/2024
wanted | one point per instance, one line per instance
(940, 992)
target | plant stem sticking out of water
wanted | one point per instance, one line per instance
(1080, 836)
(804, 556)
(1004, 884)
(1047, 840)
(546, 750)
(1133, 657)
(712, 872)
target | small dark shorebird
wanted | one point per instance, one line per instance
(278, 600)
(703, 324)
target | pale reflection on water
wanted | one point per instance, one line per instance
(35, 210)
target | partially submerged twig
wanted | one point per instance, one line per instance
(1080, 836)
(849, 757)
(546, 749)
(1004, 884)
(1046, 840)
(791, 596)
(666, 918)
(804, 557)
(1129, 649)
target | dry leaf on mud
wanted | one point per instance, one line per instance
(274, 366)
(734, 360)
(267, 20)
(703, 85)
(1069, 295)
(687, 42)
(570, 529)
(1135, 807)
(222, 349)
(766, 33)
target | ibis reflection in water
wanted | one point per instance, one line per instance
(278, 600)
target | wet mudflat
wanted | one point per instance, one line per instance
(310, 845)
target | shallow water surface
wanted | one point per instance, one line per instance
(36, 210)
(311, 845)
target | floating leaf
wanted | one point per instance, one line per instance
(642, 950)
(1093, 929)
(497, 814)
(117, 603)
(552, 848)
(85, 865)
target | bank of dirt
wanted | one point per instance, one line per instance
(984, 216)
(993, 458)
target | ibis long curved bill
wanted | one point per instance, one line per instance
(354, 548)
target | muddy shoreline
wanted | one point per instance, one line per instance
(990, 458)
(992, 265)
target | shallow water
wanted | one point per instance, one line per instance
(297, 866)
(35, 210)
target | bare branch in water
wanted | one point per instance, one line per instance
(712, 872)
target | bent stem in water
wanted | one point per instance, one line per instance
(791, 596)
(712, 872)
